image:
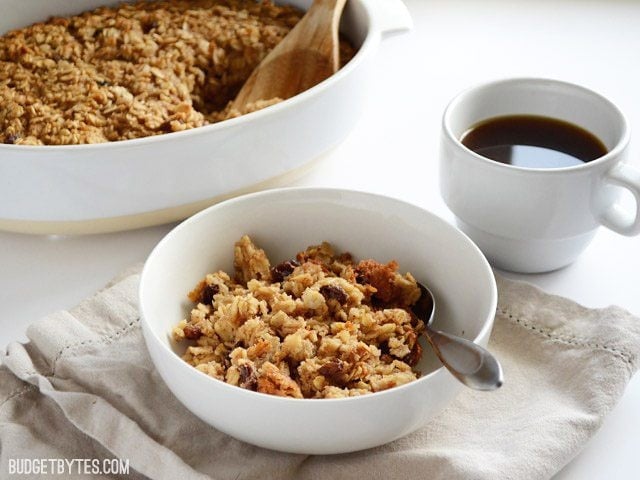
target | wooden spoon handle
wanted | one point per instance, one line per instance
(306, 56)
(318, 30)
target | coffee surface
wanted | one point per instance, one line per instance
(533, 142)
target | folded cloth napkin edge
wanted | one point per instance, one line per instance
(611, 337)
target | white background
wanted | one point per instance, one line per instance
(394, 150)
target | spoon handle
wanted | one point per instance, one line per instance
(468, 362)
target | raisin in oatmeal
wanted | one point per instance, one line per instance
(135, 70)
(319, 326)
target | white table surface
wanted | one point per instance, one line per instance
(394, 150)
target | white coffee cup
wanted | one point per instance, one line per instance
(536, 219)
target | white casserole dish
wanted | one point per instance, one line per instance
(154, 180)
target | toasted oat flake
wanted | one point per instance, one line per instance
(320, 328)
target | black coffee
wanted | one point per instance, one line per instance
(533, 141)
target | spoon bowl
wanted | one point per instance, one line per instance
(471, 364)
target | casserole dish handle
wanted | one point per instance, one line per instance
(390, 16)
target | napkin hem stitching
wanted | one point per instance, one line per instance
(17, 393)
(92, 341)
(624, 355)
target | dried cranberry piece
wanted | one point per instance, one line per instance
(335, 292)
(248, 377)
(283, 270)
(207, 294)
(192, 332)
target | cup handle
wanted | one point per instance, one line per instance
(390, 16)
(615, 217)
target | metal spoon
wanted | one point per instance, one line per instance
(468, 362)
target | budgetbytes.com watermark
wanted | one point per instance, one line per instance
(68, 466)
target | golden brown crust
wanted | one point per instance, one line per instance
(391, 288)
(250, 262)
(274, 382)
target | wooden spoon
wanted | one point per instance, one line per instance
(305, 57)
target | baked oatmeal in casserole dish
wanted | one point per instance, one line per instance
(319, 326)
(135, 70)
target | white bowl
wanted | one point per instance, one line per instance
(284, 222)
(153, 180)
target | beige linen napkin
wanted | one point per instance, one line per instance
(84, 387)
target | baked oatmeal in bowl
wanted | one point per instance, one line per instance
(320, 325)
(288, 343)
